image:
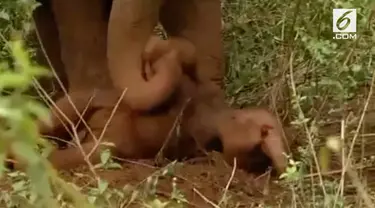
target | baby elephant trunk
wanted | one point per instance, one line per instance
(273, 146)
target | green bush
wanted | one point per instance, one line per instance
(282, 54)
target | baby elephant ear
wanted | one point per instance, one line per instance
(264, 130)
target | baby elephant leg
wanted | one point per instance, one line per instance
(118, 132)
(73, 157)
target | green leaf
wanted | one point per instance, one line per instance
(105, 156)
(356, 68)
(324, 159)
(38, 175)
(91, 199)
(102, 186)
(19, 185)
(13, 80)
(291, 169)
(41, 112)
(26, 152)
(113, 165)
(4, 15)
(3, 156)
(158, 204)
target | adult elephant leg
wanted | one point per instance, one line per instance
(82, 30)
(199, 21)
(49, 45)
(82, 27)
(130, 26)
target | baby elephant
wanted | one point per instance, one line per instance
(251, 135)
(254, 137)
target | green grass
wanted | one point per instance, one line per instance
(282, 55)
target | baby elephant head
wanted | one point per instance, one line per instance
(254, 137)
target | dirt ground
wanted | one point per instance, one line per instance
(198, 180)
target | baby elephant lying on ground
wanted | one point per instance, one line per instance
(134, 133)
(251, 135)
